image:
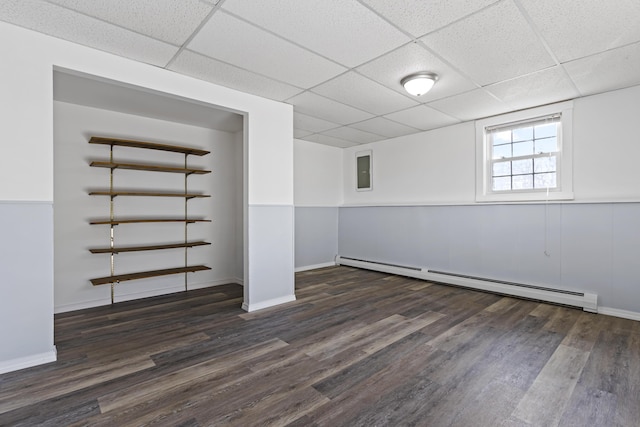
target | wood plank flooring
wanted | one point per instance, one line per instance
(357, 348)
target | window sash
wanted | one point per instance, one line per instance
(490, 131)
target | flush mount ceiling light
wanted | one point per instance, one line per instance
(419, 83)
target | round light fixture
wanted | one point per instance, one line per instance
(419, 83)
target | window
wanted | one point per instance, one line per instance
(525, 155)
(363, 170)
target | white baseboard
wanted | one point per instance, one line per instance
(315, 266)
(80, 305)
(28, 361)
(625, 314)
(139, 295)
(268, 303)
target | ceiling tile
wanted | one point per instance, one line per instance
(419, 19)
(205, 68)
(298, 133)
(68, 25)
(329, 140)
(318, 106)
(615, 69)
(577, 28)
(236, 42)
(360, 92)
(354, 135)
(345, 31)
(471, 105)
(384, 127)
(422, 117)
(544, 87)
(167, 20)
(493, 45)
(412, 58)
(313, 124)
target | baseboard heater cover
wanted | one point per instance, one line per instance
(585, 300)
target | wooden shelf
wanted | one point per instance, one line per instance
(147, 274)
(147, 167)
(147, 145)
(146, 220)
(146, 194)
(116, 250)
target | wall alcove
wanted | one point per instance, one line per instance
(84, 106)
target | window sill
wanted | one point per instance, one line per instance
(525, 197)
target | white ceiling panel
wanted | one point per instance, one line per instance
(345, 31)
(59, 22)
(495, 44)
(350, 134)
(544, 87)
(360, 92)
(471, 105)
(422, 117)
(391, 68)
(299, 134)
(384, 127)
(312, 124)
(318, 106)
(205, 68)
(231, 40)
(577, 28)
(418, 18)
(167, 20)
(610, 70)
(329, 140)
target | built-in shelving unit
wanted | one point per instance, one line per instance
(114, 221)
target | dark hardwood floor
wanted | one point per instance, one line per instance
(358, 348)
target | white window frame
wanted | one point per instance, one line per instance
(564, 189)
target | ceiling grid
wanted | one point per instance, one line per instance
(339, 63)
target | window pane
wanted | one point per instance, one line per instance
(502, 168)
(523, 134)
(547, 145)
(523, 148)
(501, 183)
(545, 180)
(498, 138)
(544, 164)
(522, 166)
(522, 182)
(502, 151)
(545, 131)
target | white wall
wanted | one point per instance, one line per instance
(318, 174)
(606, 146)
(26, 171)
(318, 193)
(439, 166)
(73, 207)
(429, 167)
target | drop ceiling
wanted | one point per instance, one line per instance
(340, 62)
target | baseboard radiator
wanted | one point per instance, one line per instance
(585, 300)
